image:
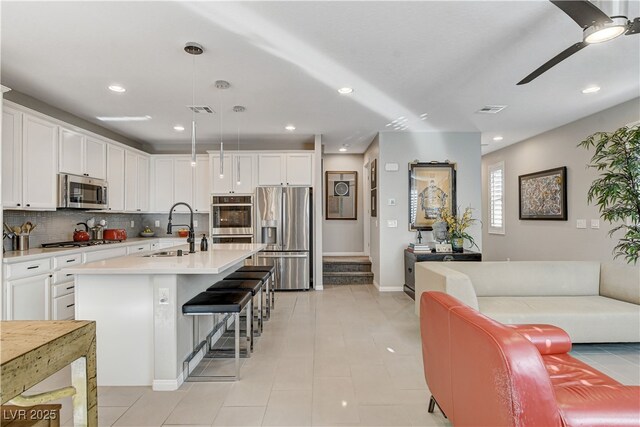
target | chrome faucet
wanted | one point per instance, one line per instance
(192, 235)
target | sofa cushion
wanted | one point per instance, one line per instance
(532, 278)
(619, 281)
(565, 370)
(599, 406)
(584, 318)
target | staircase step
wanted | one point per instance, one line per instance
(347, 278)
(346, 264)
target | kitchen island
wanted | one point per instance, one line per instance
(136, 301)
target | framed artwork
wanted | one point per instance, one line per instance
(374, 174)
(341, 195)
(543, 195)
(374, 202)
(432, 187)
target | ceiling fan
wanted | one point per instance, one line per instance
(597, 27)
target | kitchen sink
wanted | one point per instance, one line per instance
(163, 254)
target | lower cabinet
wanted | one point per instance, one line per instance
(63, 308)
(28, 298)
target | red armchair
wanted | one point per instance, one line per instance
(483, 373)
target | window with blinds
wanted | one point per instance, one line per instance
(496, 198)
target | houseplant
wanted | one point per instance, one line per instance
(457, 225)
(616, 191)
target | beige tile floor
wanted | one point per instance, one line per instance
(347, 356)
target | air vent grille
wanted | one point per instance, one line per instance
(200, 109)
(491, 109)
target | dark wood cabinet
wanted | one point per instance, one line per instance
(410, 259)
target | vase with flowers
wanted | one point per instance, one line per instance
(457, 225)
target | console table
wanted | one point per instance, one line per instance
(34, 350)
(410, 259)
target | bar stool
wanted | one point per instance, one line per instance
(207, 304)
(271, 286)
(254, 275)
(253, 286)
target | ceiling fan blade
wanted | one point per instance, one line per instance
(634, 27)
(554, 61)
(583, 12)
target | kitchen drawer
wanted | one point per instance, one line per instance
(61, 277)
(138, 248)
(67, 260)
(104, 254)
(28, 268)
(64, 307)
(62, 289)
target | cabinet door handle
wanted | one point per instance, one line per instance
(28, 204)
(70, 287)
(71, 260)
(32, 267)
(410, 270)
(18, 204)
(70, 305)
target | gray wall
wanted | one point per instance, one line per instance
(373, 152)
(344, 236)
(462, 148)
(554, 240)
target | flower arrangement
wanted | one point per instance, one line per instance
(459, 223)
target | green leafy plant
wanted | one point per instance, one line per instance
(616, 191)
(459, 223)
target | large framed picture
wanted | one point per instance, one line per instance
(543, 195)
(432, 188)
(374, 174)
(341, 195)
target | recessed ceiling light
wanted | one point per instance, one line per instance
(423, 116)
(117, 88)
(342, 149)
(123, 118)
(591, 89)
(290, 127)
(345, 90)
(178, 128)
(498, 138)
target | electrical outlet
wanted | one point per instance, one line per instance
(595, 223)
(392, 223)
(133, 223)
(163, 296)
(392, 202)
(581, 223)
(157, 223)
(195, 223)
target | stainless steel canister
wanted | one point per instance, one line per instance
(21, 242)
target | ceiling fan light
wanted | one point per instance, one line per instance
(606, 32)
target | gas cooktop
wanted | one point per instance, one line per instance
(73, 244)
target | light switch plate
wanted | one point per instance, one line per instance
(595, 223)
(391, 202)
(157, 223)
(133, 223)
(392, 223)
(195, 223)
(163, 296)
(391, 167)
(581, 223)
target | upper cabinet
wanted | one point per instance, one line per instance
(39, 163)
(285, 169)
(136, 188)
(11, 158)
(174, 179)
(238, 176)
(202, 185)
(115, 177)
(82, 155)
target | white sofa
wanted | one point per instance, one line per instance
(592, 301)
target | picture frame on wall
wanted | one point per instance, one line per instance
(432, 187)
(341, 195)
(374, 203)
(374, 174)
(543, 195)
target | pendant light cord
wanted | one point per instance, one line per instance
(193, 111)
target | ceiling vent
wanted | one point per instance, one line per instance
(200, 109)
(491, 109)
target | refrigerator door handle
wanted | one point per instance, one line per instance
(282, 255)
(283, 223)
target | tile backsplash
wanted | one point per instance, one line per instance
(57, 226)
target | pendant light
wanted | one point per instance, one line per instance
(222, 85)
(238, 109)
(194, 49)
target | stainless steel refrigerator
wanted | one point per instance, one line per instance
(283, 222)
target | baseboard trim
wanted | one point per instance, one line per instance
(376, 285)
(167, 385)
(392, 289)
(343, 254)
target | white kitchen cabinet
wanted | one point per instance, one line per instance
(202, 185)
(63, 308)
(142, 247)
(99, 255)
(80, 154)
(115, 177)
(28, 298)
(285, 169)
(39, 163)
(11, 158)
(183, 183)
(238, 173)
(136, 175)
(162, 182)
(299, 167)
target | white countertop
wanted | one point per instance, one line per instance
(218, 258)
(37, 253)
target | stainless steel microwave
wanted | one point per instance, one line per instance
(81, 192)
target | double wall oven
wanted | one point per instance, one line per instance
(232, 218)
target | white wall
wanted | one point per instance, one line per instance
(344, 236)
(462, 148)
(554, 240)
